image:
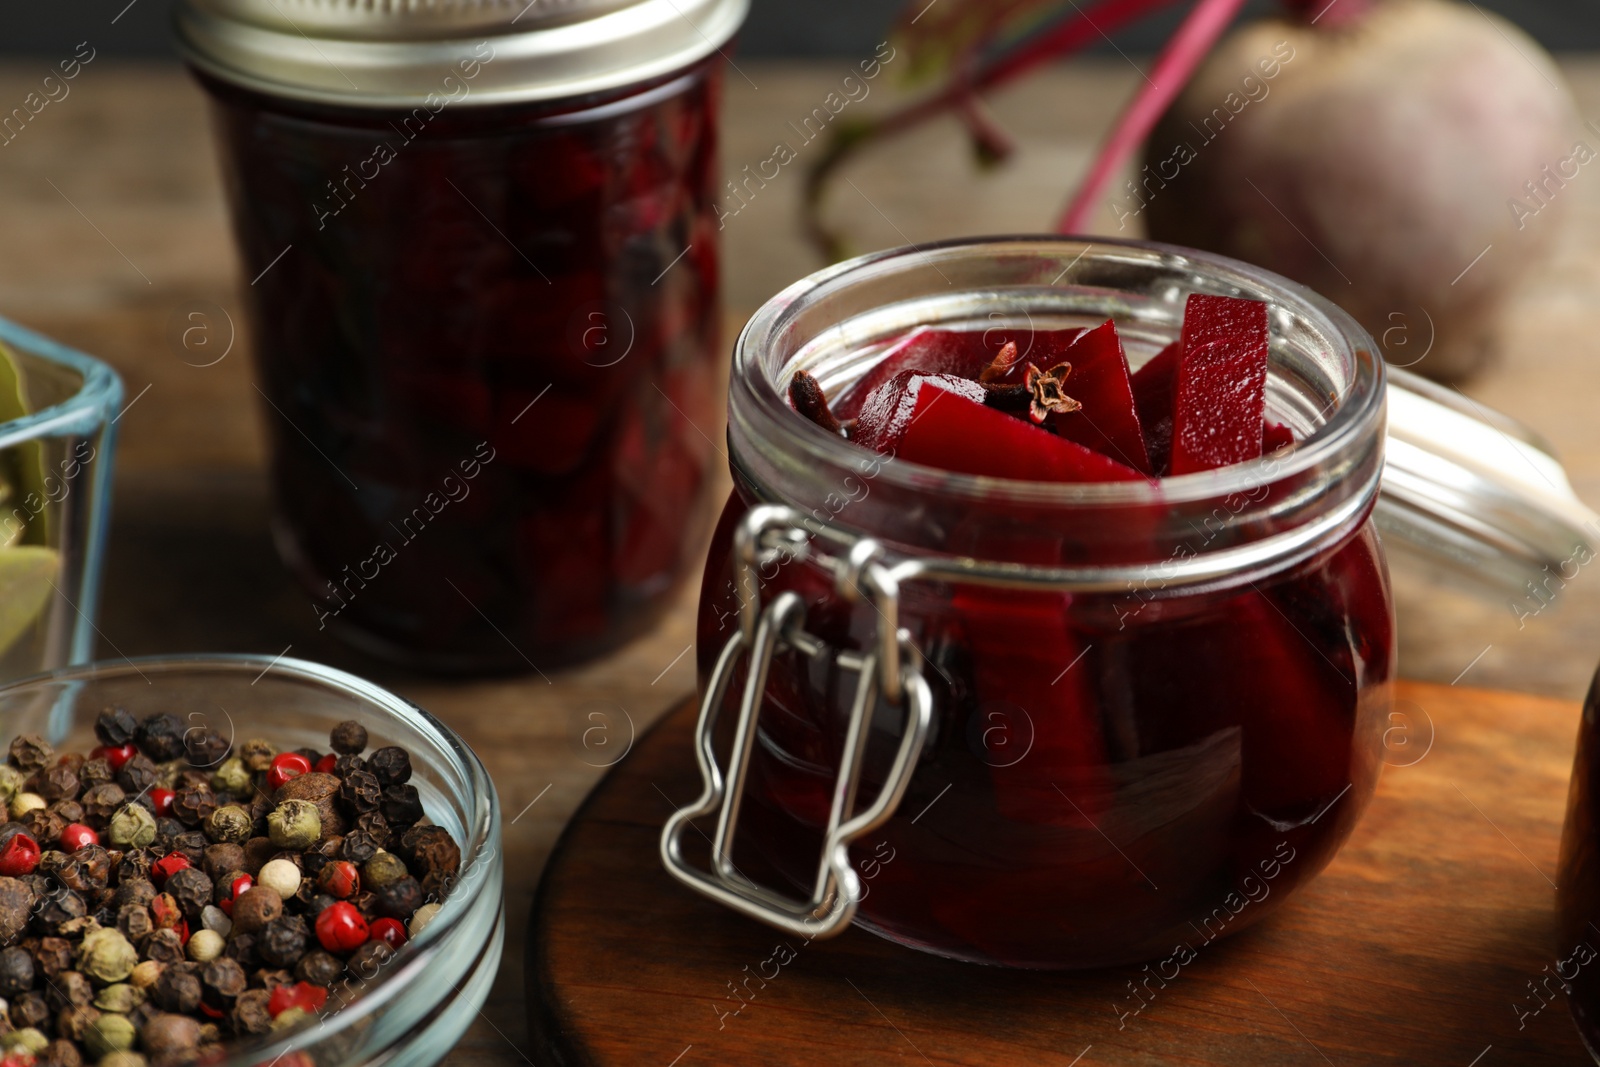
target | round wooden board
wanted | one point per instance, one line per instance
(1416, 946)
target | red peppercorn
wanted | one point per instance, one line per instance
(339, 878)
(286, 765)
(19, 856)
(240, 884)
(327, 763)
(301, 995)
(116, 755)
(391, 932)
(77, 836)
(209, 1011)
(161, 801)
(341, 928)
(167, 866)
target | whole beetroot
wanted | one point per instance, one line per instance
(1384, 154)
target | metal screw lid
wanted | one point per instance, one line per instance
(399, 53)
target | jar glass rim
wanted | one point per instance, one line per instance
(757, 404)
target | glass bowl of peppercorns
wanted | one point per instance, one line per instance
(238, 861)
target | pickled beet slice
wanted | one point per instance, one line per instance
(1220, 396)
(893, 405)
(1153, 387)
(1107, 422)
(949, 431)
(960, 352)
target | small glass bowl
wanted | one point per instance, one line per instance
(414, 1011)
(55, 490)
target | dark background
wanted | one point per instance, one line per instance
(775, 28)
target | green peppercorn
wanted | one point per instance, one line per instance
(384, 868)
(11, 781)
(106, 956)
(120, 998)
(295, 824)
(232, 777)
(256, 754)
(110, 1033)
(291, 1017)
(133, 826)
(231, 824)
(123, 1059)
(29, 1039)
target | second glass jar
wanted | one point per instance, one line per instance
(485, 336)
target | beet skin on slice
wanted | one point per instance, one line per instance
(954, 433)
(1220, 398)
(1107, 421)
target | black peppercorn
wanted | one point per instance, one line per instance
(70, 811)
(171, 1038)
(135, 868)
(56, 783)
(178, 989)
(135, 922)
(376, 826)
(241, 948)
(161, 737)
(319, 968)
(221, 981)
(223, 858)
(138, 776)
(399, 899)
(168, 830)
(115, 726)
(84, 871)
(68, 988)
(193, 803)
(360, 792)
(271, 979)
(344, 766)
(164, 946)
(283, 941)
(348, 738)
(193, 844)
(16, 972)
(44, 826)
(59, 1053)
(56, 908)
(192, 889)
(368, 960)
(53, 955)
(30, 1009)
(205, 748)
(95, 772)
(250, 1014)
(76, 1020)
(16, 906)
(358, 847)
(30, 752)
(392, 765)
(100, 802)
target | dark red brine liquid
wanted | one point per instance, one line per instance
(1578, 886)
(1108, 776)
(485, 335)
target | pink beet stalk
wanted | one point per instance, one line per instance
(1177, 61)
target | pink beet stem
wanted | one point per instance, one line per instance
(1177, 61)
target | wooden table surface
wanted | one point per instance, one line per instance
(113, 229)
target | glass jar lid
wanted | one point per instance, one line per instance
(404, 53)
(1477, 493)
